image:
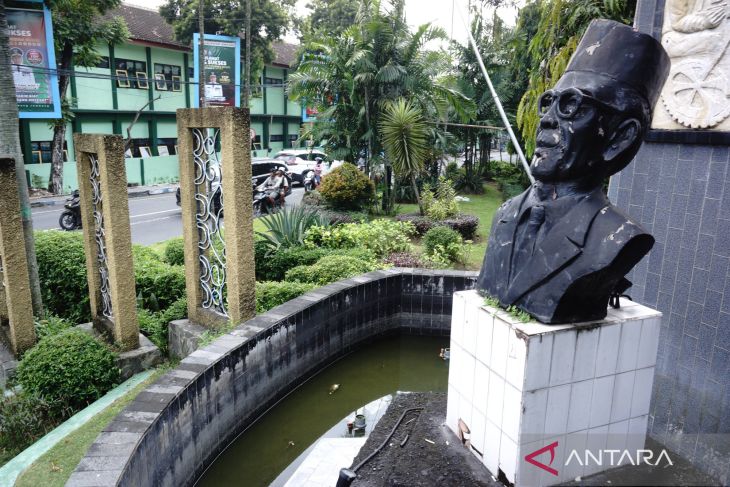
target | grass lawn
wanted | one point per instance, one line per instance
(483, 207)
(55, 466)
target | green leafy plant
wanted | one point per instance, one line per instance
(158, 284)
(404, 135)
(287, 228)
(512, 310)
(347, 188)
(175, 251)
(443, 245)
(70, 369)
(154, 325)
(440, 204)
(272, 294)
(24, 417)
(62, 274)
(380, 236)
(330, 269)
(50, 324)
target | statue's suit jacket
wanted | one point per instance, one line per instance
(575, 267)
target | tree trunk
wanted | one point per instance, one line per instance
(55, 182)
(418, 196)
(10, 145)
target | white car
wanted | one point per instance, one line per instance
(301, 162)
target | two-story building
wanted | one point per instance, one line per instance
(151, 64)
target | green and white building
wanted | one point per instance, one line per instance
(103, 101)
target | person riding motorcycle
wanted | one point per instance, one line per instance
(275, 187)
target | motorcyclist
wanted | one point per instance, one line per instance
(274, 187)
(318, 168)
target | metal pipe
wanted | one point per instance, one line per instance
(496, 100)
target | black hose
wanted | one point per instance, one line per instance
(387, 439)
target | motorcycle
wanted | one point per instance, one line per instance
(262, 205)
(309, 182)
(70, 219)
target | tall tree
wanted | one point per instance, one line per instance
(328, 17)
(77, 30)
(560, 26)
(270, 19)
(10, 147)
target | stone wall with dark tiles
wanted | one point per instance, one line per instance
(174, 428)
(680, 192)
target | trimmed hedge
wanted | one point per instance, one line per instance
(64, 286)
(330, 269)
(175, 251)
(271, 294)
(70, 369)
(62, 274)
(466, 225)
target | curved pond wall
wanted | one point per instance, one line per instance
(179, 424)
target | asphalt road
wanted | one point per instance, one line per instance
(152, 218)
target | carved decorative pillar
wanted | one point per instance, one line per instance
(16, 305)
(107, 236)
(215, 169)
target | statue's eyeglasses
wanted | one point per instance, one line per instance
(568, 101)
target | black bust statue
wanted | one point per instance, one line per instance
(560, 249)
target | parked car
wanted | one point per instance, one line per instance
(301, 162)
(260, 169)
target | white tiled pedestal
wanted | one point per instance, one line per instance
(520, 387)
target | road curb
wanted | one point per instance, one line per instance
(132, 194)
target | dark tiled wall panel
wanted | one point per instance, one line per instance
(178, 425)
(681, 194)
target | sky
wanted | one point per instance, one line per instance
(444, 13)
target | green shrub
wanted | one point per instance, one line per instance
(277, 263)
(511, 178)
(62, 274)
(158, 284)
(175, 251)
(70, 369)
(330, 269)
(24, 418)
(442, 244)
(381, 236)
(468, 182)
(440, 204)
(347, 188)
(154, 325)
(272, 294)
(261, 250)
(287, 227)
(50, 324)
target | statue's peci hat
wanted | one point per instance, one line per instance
(614, 50)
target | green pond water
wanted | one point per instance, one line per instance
(394, 363)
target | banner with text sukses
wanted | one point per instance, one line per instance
(222, 70)
(32, 60)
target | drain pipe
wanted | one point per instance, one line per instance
(347, 475)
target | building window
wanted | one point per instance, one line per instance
(139, 148)
(167, 147)
(131, 74)
(167, 77)
(103, 63)
(41, 152)
(273, 82)
(276, 138)
(292, 138)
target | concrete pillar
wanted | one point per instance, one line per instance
(107, 237)
(219, 270)
(16, 305)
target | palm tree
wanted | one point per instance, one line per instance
(404, 135)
